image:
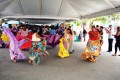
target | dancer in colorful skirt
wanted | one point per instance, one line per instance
(63, 52)
(15, 52)
(37, 49)
(93, 46)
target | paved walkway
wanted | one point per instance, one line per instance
(54, 68)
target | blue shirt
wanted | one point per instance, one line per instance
(52, 31)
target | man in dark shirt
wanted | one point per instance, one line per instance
(117, 44)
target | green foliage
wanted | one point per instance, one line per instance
(102, 19)
(2, 21)
(78, 23)
(115, 17)
(84, 21)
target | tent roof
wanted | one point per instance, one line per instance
(59, 8)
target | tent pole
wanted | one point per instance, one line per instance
(21, 8)
(109, 3)
(40, 7)
(60, 8)
(5, 2)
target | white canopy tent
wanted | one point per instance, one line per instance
(57, 9)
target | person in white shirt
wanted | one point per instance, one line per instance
(38, 47)
(110, 32)
(70, 40)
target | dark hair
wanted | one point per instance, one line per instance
(118, 29)
(69, 26)
(61, 24)
(70, 31)
(97, 25)
(56, 27)
(101, 27)
(52, 27)
(0, 32)
(10, 26)
(110, 25)
(93, 26)
(34, 29)
(40, 32)
(74, 32)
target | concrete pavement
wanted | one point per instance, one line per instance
(55, 68)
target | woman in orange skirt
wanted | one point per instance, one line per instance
(93, 46)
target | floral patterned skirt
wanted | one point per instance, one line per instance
(37, 50)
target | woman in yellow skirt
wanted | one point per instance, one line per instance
(63, 52)
(93, 46)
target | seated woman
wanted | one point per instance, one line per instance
(27, 41)
(63, 52)
(23, 33)
(45, 30)
(93, 46)
(38, 48)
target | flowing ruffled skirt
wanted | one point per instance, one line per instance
(50, 40)
(26, 45)
(92, 50)
(53, 40)
(63, 52)
(15, 52)
(20, 37)
(16, 56)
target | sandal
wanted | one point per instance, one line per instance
(30, 62)
(14, 60)
(114, 55)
